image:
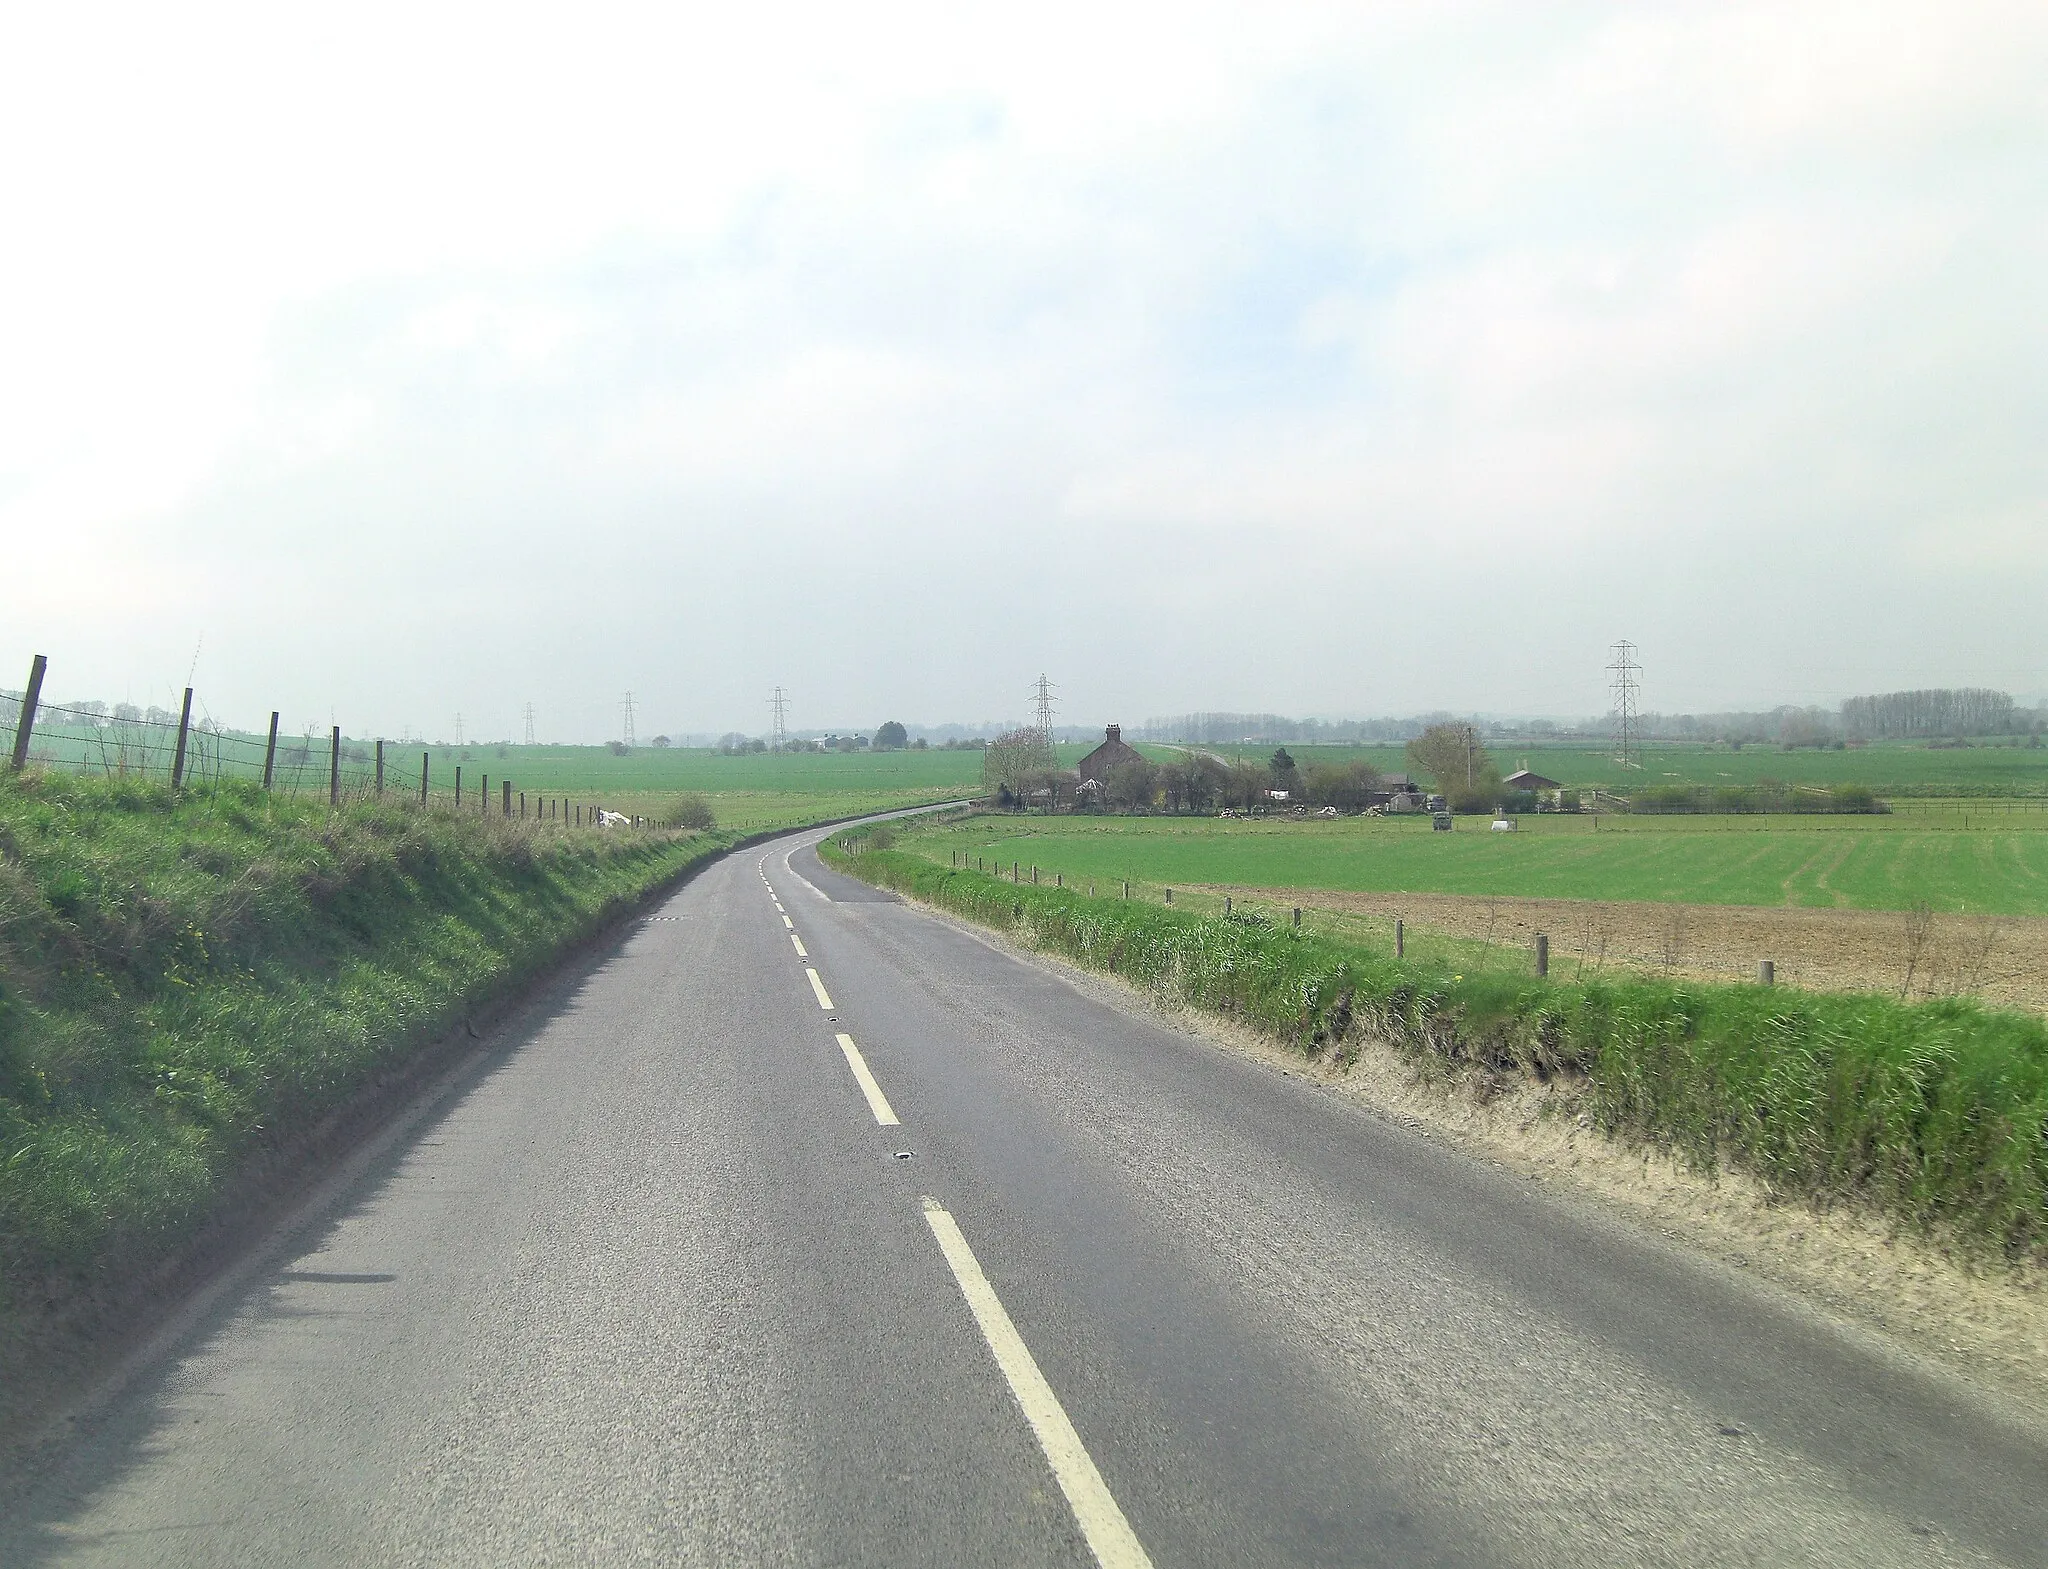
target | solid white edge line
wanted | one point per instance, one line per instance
(801, 952)
(1109, 1534)
(818, 986)
(878, 1103)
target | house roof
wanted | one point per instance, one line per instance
(1522, 779)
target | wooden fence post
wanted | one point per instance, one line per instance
(334, 769)
(380, 767)
(483, 796)
(508, 799)
(25, 725)
(184, 729)
(270, 752)
(1766, 973)
(1400, 939)
(1542, 954)
(423, 777)
(458, 785)
(1297, 917)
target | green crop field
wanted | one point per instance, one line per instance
(1960, 860)
(1990, 769)
(747, 792)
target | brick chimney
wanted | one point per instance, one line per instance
(1115, 734)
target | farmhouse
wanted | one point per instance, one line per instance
(1098, 763)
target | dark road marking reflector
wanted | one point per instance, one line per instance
(1109, 1534)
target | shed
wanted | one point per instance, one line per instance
(1522, 779)
(1112, 752)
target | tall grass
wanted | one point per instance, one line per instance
(187, 980)
(1933, 1113)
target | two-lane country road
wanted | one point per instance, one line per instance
(806, 1228)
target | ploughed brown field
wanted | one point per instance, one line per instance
(2001, 959)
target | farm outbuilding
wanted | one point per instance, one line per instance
(1523, 779)
(1112, 752)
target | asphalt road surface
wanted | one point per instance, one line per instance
(805, 1228)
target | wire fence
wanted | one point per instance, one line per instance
(124, 741)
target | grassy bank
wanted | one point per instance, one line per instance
(1934, 1113)
(188, 982)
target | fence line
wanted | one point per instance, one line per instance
(126, 742)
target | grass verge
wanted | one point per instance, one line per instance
(1934, 1114)
(189, 982)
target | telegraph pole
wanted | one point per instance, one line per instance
(1626, 677)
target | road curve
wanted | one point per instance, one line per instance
(802, 1227)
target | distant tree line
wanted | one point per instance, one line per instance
(1928, 714)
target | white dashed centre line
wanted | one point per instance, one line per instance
(818, 986)
(878, 1103)
(786, 921)
(800, 951)
(1109, 1534)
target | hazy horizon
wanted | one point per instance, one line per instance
(1356, 360)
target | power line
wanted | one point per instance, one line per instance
(529, 724)
(778, 707)
(626, 706)
(1626, 676)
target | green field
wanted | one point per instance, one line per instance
(2000, 769)
(1959, 861)
(748, 792)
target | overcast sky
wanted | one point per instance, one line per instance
(406, 360)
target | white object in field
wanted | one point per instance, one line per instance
(1503, 825)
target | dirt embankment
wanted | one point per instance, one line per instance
(2001, 959)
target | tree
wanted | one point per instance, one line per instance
(1245, 784)
(892, 737)
(661, 743)
(1285, 775)
(1010, 762)
(1453, 757)
(1132, 786)
(1346, 786)
(1193, 782)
